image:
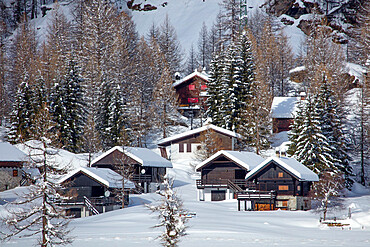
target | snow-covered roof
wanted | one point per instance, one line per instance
(8, 152)
(105, 176)
(168, 140)
(248, 160)
(290, 164)
(284, 107)
(297, 69)
(143, 156)
(195, 73)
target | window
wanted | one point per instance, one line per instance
(283, 187)
(285, 203)
(15, 173)
(280, 175)
(203, 87)
(191, 87)
(181, 147)
(192, 100)
(188, 147)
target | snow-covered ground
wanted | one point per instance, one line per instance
(219, 223)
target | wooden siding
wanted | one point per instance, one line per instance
(268, 179)
(225, 140)
(184, 93)
(281, 124)
(222, 169)
(11, 164)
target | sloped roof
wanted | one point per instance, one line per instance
(290, 164)
(248, 160)
(143, 156)
(284, 107)
(195, 73)
(8, 152)
(168, 140)
(105, 176)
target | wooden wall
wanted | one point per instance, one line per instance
(184, 93)
(281, 124)
(223, 169)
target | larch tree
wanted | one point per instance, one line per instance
(164, 102)
(4, 101)
(284, 64)
(231, 13)
(192, 61)
(36, 212)
(170, 46)
(204, 49)
(210, 143)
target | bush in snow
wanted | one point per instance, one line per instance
(171, 215)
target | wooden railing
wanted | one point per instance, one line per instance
(256, 194)
(241, 183)
(234, 186)
(90, 206)
(141, 178)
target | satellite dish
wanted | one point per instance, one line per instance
(107, 193)
(143, 171)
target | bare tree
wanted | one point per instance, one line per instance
(327, 191)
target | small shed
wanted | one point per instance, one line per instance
(192, 93)
(94, 191)
(223, 174)
(12, 161)
(283, 110)
(147, 168)
(186, 144)
(288, 178)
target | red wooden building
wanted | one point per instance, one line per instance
(192, 93)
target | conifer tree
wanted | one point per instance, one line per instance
(69, 109)
(111, 120)
(214, 87)
(191, 63)
(204, 51)
(309, 145)
(332, 128)
(170, 46)
(21, 116)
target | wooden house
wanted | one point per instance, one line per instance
(192, 93)
(283, 110)
(223, 174)
(12, 161)
(186, 144)
(93, 191)
(146, 168)
(283, 183)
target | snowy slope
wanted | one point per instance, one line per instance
(219, 223)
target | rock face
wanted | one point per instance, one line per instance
(339, 15)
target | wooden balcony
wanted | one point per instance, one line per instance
(214, 183)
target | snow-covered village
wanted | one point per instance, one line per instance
(185, 123)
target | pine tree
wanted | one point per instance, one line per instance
(69, 109)
(332, 128)
(21, 116)
(36, 213)
(214, 87)
(309, 145)
(112, 116)
(171, 216)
